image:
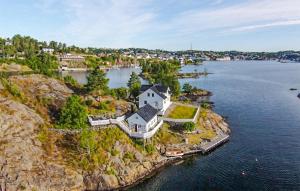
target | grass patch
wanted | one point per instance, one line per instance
(166, 136)
(182, 112)
(78, 158)
(128, 155)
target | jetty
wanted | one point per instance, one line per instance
(208, 146)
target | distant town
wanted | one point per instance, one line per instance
(21, 47)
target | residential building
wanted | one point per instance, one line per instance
(144, 120)
(48, 50)
(225, 58)
(70, 58)
(158, 96)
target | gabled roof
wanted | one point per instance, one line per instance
(158, 89)
(162, 89)
(147, 112)
(145, 87)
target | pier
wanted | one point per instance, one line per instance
(208, 146)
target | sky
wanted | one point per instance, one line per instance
(245, 25)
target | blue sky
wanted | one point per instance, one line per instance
(247, 25)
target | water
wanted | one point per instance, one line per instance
(265, 120)
(117, 77)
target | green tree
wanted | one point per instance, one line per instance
(134, 79)
(120, 93)
(187, 88)
(73, 115)
(135, 90)
(134, 85)
(189, 126)
(97, 81)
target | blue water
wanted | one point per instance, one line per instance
(265, 120)
(264, 116)
(117, 77)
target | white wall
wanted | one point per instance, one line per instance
(143, 126)
(151, 123)
(151, 98)
(136, 119)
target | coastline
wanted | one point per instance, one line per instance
(168, 161)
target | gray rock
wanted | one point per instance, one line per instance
(139, 157)
(23, 161)
(109, 181)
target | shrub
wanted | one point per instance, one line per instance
(69, 80)
(150, 148)
(111, 171)
(129, 155)
(189, 126)
(114, 152)
(119, 93)
(12, 88)
(187, 88)
(88, 102)
(73, 115)
(205, 105)
(103, 106)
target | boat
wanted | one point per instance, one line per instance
(174, 153)
(298, 96)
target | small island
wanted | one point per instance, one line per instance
(92, 137)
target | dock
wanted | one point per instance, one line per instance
(208, 146)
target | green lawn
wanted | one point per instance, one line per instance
(182, 112)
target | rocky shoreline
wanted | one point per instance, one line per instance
(32, 157)
(218, 123)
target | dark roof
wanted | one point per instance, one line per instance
(145, 87)
(147, 112)
(159, 89)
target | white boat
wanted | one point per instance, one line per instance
(174, 153)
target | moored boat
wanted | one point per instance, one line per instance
(174, 153)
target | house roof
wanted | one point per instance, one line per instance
(158, 89)
(147, 112)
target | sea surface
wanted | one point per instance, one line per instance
(264, 115)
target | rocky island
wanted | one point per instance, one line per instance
(34, 155)
(57, 134)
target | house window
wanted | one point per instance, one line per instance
(148, 94)
(152, 94)
(145, 102)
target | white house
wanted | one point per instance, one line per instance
(153, 100)
(144, 120)
(158, 96)
(48, 50)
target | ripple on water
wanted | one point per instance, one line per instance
(263, 152)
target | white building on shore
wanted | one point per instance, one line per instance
(158, 96)
(154, 100)
(144, 120)
(225, 58)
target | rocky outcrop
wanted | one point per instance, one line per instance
(14, 68)
(48, 90)
(23, 162)
(215, 121)
(124, 169)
